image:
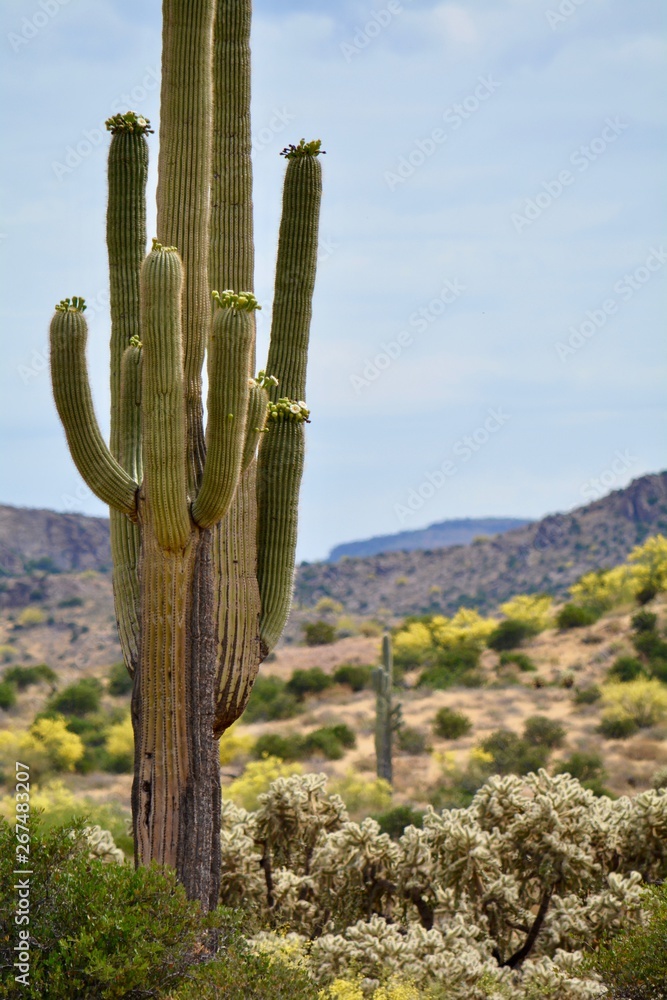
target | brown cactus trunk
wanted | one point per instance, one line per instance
(176, 789)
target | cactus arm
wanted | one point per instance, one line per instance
(281, 452)
(387, 718)
(71, 391)
(230, 349)
(162, 397)
(126, 245)
(258, 405)
(184, 169)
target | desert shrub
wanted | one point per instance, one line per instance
(290, 747)
(48, 745)
(370, 628)
(119, 682)
(235, 745)
(644, 621)
(649, 568)
(520, 660)
(7, 695)
(312, 681)
(576, 616)
(119, 745)
(8, 652)
(327, 605)
(588, 768)
(23, 677)
(394, 821)
(642, 700)
(602, 590)
(435, 641)
(533, 610)
(80, 698)
(86, 917)
(587, 695)
(354, 675)
(319, 633)
(453, 667)
(616, 727)
(71, 602)
(451, 725)
(330, 741)
(632, 963)
(541, 731)
(30, 617)
(326, 742)
(411, 740)
(256, 779)
(509, 634)
(270, 701)
(346, 627)
(625, 668)
(362, 796)
(513, 755)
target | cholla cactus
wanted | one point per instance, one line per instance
(102, 845)
(496, 900)
(203, 520)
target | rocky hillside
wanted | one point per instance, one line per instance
(43, 539)
(547, 555)
(435, 536)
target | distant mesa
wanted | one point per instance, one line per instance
(435, 536)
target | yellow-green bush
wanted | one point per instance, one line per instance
(605, 589)
(649, 567)
(119, 745)
(235, 745)
(362, 796)
(643, 701)
(533, 610)
(47, 746)
(30, 617)
(256, 778)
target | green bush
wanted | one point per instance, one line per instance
(587, 695)
(77, 699)
(453, 666)
(513, 755)
(22, 677)
(93, 932)
(575, 616)
(450, 725)
(625, 668)
(540, 731)
(324, 741)
(7, 695)
(303, 682)
(354, 675)
(394, 821)
(330, 741)
(588, 768)
(92, 730)
(632, 963)
(509, 634)
(71, 602)
(270, 701)
(520, 660)
(119, 680)
(412, 741)
(319, 633)
(290, 747)
(644, 621)
(617, 727)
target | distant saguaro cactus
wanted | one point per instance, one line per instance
(387, 715)
(203, 520)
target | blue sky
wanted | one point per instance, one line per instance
(488, 332)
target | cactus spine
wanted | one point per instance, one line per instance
(387, 715)
(203, 520)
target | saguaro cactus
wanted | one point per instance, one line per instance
(387, 715)
(203, 520)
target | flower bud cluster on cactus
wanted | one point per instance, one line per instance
(303, 148)
(129, 122)
(75, 304)
(289, 409)
(506, 892)
(241, 301)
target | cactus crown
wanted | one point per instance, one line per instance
(239, 301)
(157, 246)
(75, 304)
(303, 148)
(263, 380)
(129, 122)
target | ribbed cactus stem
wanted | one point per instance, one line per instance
(386, 715)
(184, 178)
(162, 397)
(229, 355)
(71, 390)
(281, 452)
(258, 404)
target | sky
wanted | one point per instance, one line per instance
(488, 323)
